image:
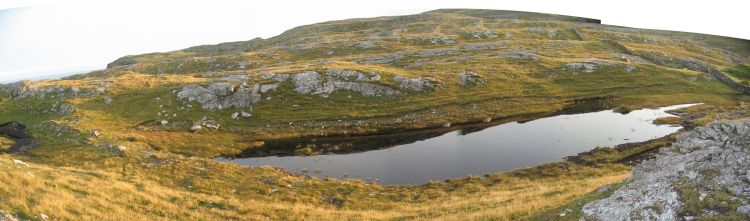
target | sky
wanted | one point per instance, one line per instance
(42, 39)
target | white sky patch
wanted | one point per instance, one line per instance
(58, 33)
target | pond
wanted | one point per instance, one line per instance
(504, 147)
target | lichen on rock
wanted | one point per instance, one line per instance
(711, 160)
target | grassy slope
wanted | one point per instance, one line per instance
(170, 185)
(739, 73)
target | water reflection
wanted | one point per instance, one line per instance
(414, 158)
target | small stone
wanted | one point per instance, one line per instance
(196, 128)
(235, 115)
(20, 162)
(487, 120)
(246, 114)
(447, 124)
(96, 133)
(107, 100)
(122, 148)
(164, 122)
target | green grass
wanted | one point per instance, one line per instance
(740, 73)
(167, 172)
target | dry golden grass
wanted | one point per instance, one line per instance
(137, 193)
(6, 143)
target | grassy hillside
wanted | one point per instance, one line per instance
(122, 142)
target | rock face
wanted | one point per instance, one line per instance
(710, 160)
(219, 96)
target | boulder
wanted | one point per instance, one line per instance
(246, 114)
(196, 128)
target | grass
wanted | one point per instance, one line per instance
(166, 172)
(739, 73)
(668, 120)
(181, 188)
(6, 143)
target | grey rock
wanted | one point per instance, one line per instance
(470, 78)
(744, 209)
(107, 100)
(164, 122)
(236, 78)
(383, 59)
(415, 84)
(520, 55)
(720, 146)
(5, 216)
(235, 115)
(25, 89)
(275, 77)
(62, 108)
(313, 83)
(267, 87)
(255, 89)
(350, 75)
(587, 66)
(482, 34)
(246, 114)
(366, 45)
(219, 96)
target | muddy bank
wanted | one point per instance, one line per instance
(17, 132)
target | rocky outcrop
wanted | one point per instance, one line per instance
(219, 96)
(323, 85)
(468, 78)
(520, 55)
(366, 45)
(713, 160)
(275, 77)
(24, 89)
(352, 75)
(591, 65)
(383, 59)
(482, 34)
(415, 84)
(236, 78)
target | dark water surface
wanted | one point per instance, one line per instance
(495, 149)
